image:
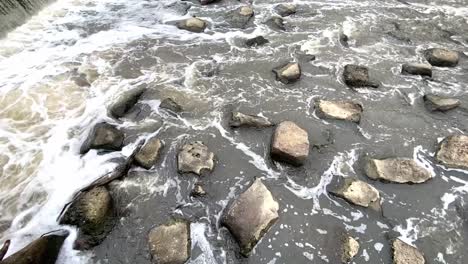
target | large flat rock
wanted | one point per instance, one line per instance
(398, 170)
(340, 110)
(453, 151)
(290, 144)
(441, 57)
(170, 243)
(359, 193)
(195, 157)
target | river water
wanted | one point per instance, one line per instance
(45, 116)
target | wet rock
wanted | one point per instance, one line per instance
(43, 250)
(350, 249)
(257, 41)
(243, 120)
(170, 243)
(92, 212)
(344, 40)
(398, 170)
(276, 23)
(406, 254)
(250, 216)
(127, 68)
(195, 157)
(4, 249)
(207, 2)
(441, 57)
(198, 190)
(341, 110)
(103, 136)
(440, 103)
(453, 151)
(290, 144)
(288, 73)
(125, 102)
(170, 104)
(285, 9)
(179, 7)
(192, 24)
(422, 69)
(241, 16)
(149, 153)
(358, 76)
(358, 193)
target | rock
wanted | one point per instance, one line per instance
(341, 110)
(257, 41)
(207, 2)
(358, 76)
(89, 72)
(350, 249)
(453, 151)
(127, 68)
(125, 102)
(406, 254)
(359, 193)
(290, 144)
(4, 249)
(103, 136)
(170, 104)
(398, 170)
(241, 16)
(170, 243)
(441, 57)
(288, 73)
(422, 69)
(276, 23)
(285, 9)
(251, 215)
(242, 120)
(92, 212)
(440, 103)
(344, 40)
(43, 250)
(198, 190)
(149, 153)
(195, 157)
(192, 24)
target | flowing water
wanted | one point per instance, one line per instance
(122, 44)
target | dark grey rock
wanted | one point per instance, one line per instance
(344, 40)
(276, 23)
(149, 153)
(170, 243)
(4, 249)
(417, 69)
(207, 2)
(103, 136)
(192, 24)
(195, 157)
(341, 110)
(288, 73)
(440, 103)
(243, 120)
(398, 170)
(257, 41)
(441, 57)
(290, 144)
(127, 68)
(170, 104)
(356, 76)
(453, 151)
(406, 254)
(125, 102)
(285, 9)
(240, 17)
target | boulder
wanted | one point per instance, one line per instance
(195, 157)
(406, 254)
(103, 136)
(170, 104)
(288, 73)
(192, 24)
(441, 57)
(92, 212)
(198, 190)
(341, 110)
(453, 151)
(285, 9)
(43, 250)
(251, 215)
(240, 17)
(243, 120)
(126, 101)
(422, 69)
(356, 76)
(149, 153)
(440, 103)
(290, 144)
(170, 243)
(398, 170)
(350, 248)
(257, 41)
(358, 193)
(276, 23)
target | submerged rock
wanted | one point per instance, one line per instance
(251, 215)
(358, 76)
(453, 151)
(341, 110)
(422, 69)
(170, 104)
(103, 136)
(170, 243)
(126, 101)
(406, 254)
(276, 23)
(241, 16)
(288, 73)
(290, 144)
(192, 24)
(440, 103)
(207, 2)
(243, 120)
(441, 57)
(257, 41)
(398, 170)
(198, 190)
(344, 40)
(285, 9)
(350, 249)
(149, 153)
(359, 193)
(43, 250)
(195, 157)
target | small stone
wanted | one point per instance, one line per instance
(246, 11)
(251, 215)
(358, 76)
(125, 102)
(288, 73)
(170, 243)
(440, 103)
(198, 190)
(243, 120)
(398, 170)
(453, 151)
(285, 9)
(350, 249)
(422, 69)
(149, 153)
(195, 157)
(276, 23)
(441, 57)
(103, 136)
(192, 24)
(170, 104)
(359, 193)
(207, 2)
(344, 40)
(406, 254)
(257, 41)
(290, 144)
(341, 110)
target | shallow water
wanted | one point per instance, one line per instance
(45, 116)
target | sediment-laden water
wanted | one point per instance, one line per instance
(46, 112)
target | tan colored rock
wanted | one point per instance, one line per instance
(192, 24)
(288, 73)
(149, 153)
(442, 57)
(359, 193)
(290, 144)
(398, 170)
(195, 157)
(239, 119)
(246, 11)
(341, 110)
(170, 243)
(453, 151)
(350, 249)
(406, 254)
(440, 103)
